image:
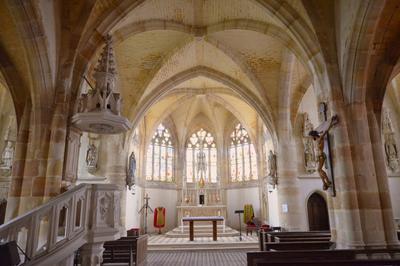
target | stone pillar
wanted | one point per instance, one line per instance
(293, 218)
(291, 215)
(21, 147)
(92, 254)
(365, 178)
(344, 208)
(382, 180)
(56, 153)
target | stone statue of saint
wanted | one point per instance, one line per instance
(319, 137)
(391, 151)
(309, 155)
(272, 175)
(130, 177)
(7, 155)
(392, 156)
(91, 157)
(309, 151)
(387, 122)
(308, 126)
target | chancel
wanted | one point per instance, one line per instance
(200, 132)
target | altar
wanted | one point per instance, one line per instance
(213, 219)
(201, 211)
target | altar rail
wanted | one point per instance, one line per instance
(50, 233)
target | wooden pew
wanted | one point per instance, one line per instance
(281, 239)
(119, 252)
(322, 257)
(320, 245)
(131, 250)
(271, 235)
(303, 237)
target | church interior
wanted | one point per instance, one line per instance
(200, 132)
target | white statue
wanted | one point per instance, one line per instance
(91, 157)
(392, 156)
(130, 177)
(272, 175)
(309, 148)
(7, 155)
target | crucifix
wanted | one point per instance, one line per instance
(144, 210)
(322, 139)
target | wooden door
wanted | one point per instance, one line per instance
(318, 218)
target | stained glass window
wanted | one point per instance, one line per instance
(242, 156)
(201, 141)
(160, 155)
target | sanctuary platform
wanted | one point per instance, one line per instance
(164, 242)
(202, 230)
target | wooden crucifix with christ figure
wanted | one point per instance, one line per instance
(324, 159)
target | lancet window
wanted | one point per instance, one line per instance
(160, 156)
(242, 156)
(201, 141)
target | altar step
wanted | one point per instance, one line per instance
(164, 243)
(201, 231)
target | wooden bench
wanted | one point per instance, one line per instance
(320, 245)
(281, 239)
(322, 257)
(271, 235)
(293, 237)
(131, 250)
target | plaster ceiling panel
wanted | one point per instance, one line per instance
(201, 83)
(181, 11)
(13, 46)
(160, 110)
(200, 53)
(138, 58)
(218, 11)
(262, 54)
(197, 109)
(245, 113)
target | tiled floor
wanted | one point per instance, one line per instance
(196, 258)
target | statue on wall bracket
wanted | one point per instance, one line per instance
(130, 175)
(272, 174)
(310, 162)
(392, 156)
(7, 156)
(321, 137)
(91, 158)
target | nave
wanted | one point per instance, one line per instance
(197, 258)
(133, 127)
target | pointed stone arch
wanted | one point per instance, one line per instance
(167, 86)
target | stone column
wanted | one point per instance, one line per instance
(293, 218)
(291, 215)
(18, 168)
(344, 207)
(382, 180)
(92, 254)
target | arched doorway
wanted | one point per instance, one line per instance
(318, 218)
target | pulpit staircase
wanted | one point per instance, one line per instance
(85, 216)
